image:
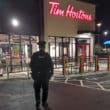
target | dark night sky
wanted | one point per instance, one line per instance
(102, 13)
(25, 11)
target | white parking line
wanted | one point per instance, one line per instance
(81, 82)
(100, 86)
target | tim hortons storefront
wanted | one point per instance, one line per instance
(62, 22)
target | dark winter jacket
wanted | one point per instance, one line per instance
(41, 65)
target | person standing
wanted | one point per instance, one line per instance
(42, 70)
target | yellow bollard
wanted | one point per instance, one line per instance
(96, 64)
(65, 65)
(81, 68)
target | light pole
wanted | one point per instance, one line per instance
(15, 23)
(105, 34)
(98, 30)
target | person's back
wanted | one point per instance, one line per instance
(41, 65)
(42, 70)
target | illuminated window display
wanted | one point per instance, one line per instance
(16, 50)
(71, 47)
(61, 46)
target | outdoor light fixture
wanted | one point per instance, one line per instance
(15, 22)
(105, 34)
(99, 24)
(98, 30)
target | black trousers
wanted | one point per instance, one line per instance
(38, 85)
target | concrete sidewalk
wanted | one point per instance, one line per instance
(17, 94)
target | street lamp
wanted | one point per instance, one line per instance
(105, 34)
(98, 29)
(15, 22)
(99, 24)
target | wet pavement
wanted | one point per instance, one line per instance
(17, 94)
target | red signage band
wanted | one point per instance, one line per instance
(69, 12)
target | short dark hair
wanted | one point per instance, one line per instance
(41, 43)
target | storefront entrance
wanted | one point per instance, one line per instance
(59, 47)
(84, 50)
(71, 47)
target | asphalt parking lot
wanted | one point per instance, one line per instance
(17, 94)
(101, 82)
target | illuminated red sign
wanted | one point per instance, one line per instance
(69, 12)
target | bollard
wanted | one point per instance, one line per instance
(109, 63)
(7, 71)
(65, 65)
(81, 67)
(96, 64)
(28, 71)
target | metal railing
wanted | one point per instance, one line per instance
(82, 66)
(5, 69)
(86, 65)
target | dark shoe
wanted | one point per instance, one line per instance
(45, 104)
(38, 106)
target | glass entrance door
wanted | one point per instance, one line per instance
(64, 49)
(84, 50)
(59, 47)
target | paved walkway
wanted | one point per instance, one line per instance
(17, 94)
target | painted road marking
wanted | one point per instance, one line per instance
(81, 82)
(100, 86)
